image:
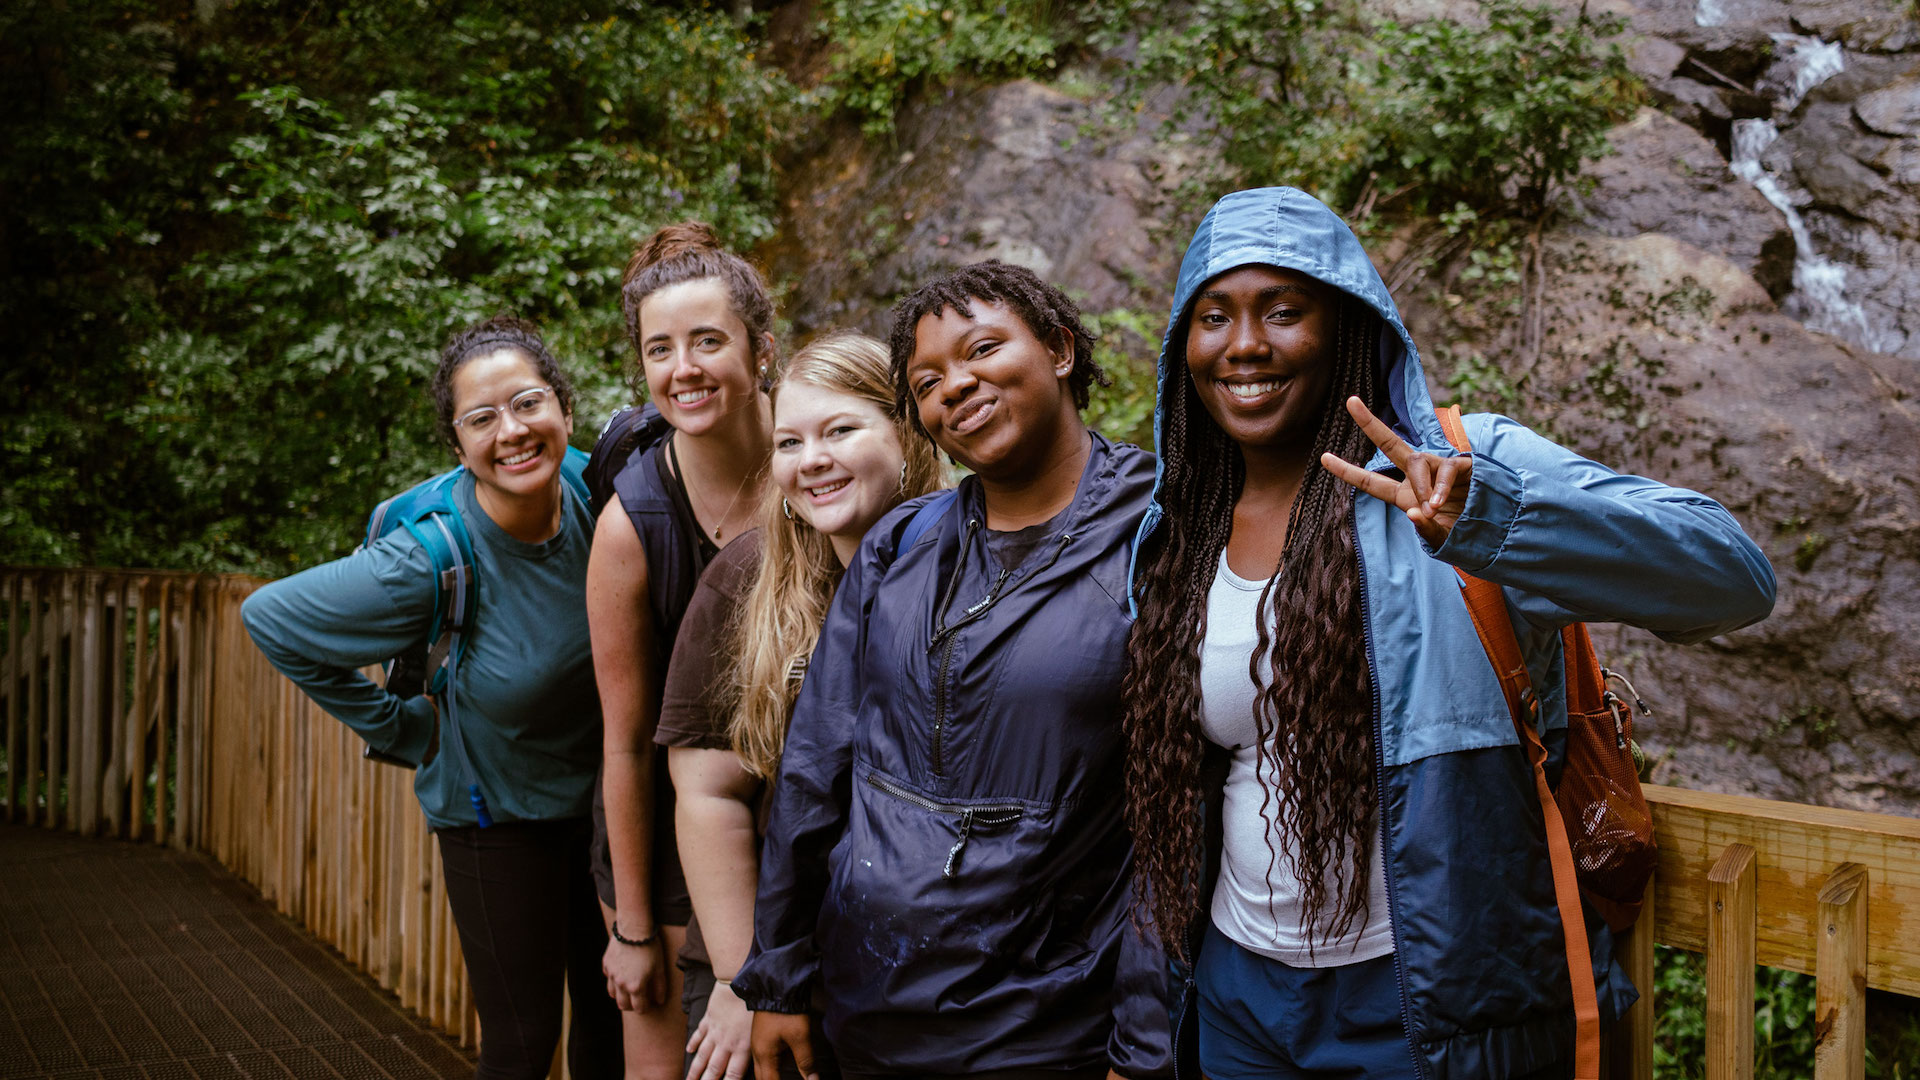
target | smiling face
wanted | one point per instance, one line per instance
(836, 459)
(697, 355)
(1260, 350)
(987, 390)
(520, 452)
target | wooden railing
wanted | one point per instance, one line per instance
(137, 708)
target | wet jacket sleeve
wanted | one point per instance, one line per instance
(811, 797)
(321, 625)
(1141, 1045)
(1574, 541)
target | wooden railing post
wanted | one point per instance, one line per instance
(17, 644)
(113, 788)
(135, 752)
(1630, 1046)
(1840, 988)
(83, 795)
(1730, 947)
(37, 643)
(60, 773)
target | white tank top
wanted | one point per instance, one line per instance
(1258, 910)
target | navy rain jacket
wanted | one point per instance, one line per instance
(1479, 952)
(946, 854)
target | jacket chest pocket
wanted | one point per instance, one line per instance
(967, 817)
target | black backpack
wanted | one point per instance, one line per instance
(629, 433)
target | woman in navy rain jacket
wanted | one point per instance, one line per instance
(1355, 857)
(945, 857)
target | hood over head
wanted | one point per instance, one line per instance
(1290, 229)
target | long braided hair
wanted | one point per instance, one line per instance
(1315, 736)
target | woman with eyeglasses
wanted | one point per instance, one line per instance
(529, 735)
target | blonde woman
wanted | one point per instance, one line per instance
(840, 462)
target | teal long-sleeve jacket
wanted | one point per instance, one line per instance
(527, 705)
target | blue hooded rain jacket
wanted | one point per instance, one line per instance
(1479, 951)
(945, 856)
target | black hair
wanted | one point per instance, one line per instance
(1045, 309)
(502, 331)
(1312, 708)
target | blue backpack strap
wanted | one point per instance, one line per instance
(436, 522)
(573, 470)
(924, 519)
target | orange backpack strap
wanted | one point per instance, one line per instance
(1455, 430)
(1487, 605)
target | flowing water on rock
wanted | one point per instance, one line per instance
(1709, 13)
(1819, 283)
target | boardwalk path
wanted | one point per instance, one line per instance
(128, 960)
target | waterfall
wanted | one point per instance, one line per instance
(1819, 283)
(1709, 13)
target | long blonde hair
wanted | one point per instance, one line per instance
(777, 629)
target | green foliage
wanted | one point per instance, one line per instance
(1275, 85)
(1310, 93)
(1128, 350)
(1501, 113)
(1782, 1019)
(883, 49)
(273, 382)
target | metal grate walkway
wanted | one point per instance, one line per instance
(128, 960)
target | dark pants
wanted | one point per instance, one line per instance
(1263, 1018)
(522, 898)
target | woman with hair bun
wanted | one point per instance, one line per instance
(840, 461)
(528, 719)
(700, 321)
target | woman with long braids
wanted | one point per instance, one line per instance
(700, 321)
(841, 459)
(1335, 825)
(945, 862)
(517, 718)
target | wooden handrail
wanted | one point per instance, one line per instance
(135, 706)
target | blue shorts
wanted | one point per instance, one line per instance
(1263, 1018)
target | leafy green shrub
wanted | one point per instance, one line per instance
(1128, 350)
(1314, 94)
(882, 49)
(1782, 1019)
(1498, 114)
(433, 167)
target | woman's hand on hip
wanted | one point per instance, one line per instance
(1433, 491)
(722, 1045)
(636, 974)
(774, 1032)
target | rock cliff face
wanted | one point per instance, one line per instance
(1734, 307)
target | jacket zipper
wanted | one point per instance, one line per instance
(946, 637)
(968, 815)
(1380, 803)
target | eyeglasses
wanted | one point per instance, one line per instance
(526, 406)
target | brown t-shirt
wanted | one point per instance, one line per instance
(703, 658)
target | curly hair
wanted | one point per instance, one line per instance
(502, 331)
(690, 251)
(1045, 309)
(780, 621)
(1315, 733)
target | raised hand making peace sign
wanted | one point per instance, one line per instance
(1434, 491)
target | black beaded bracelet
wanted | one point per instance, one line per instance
(633, 942)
